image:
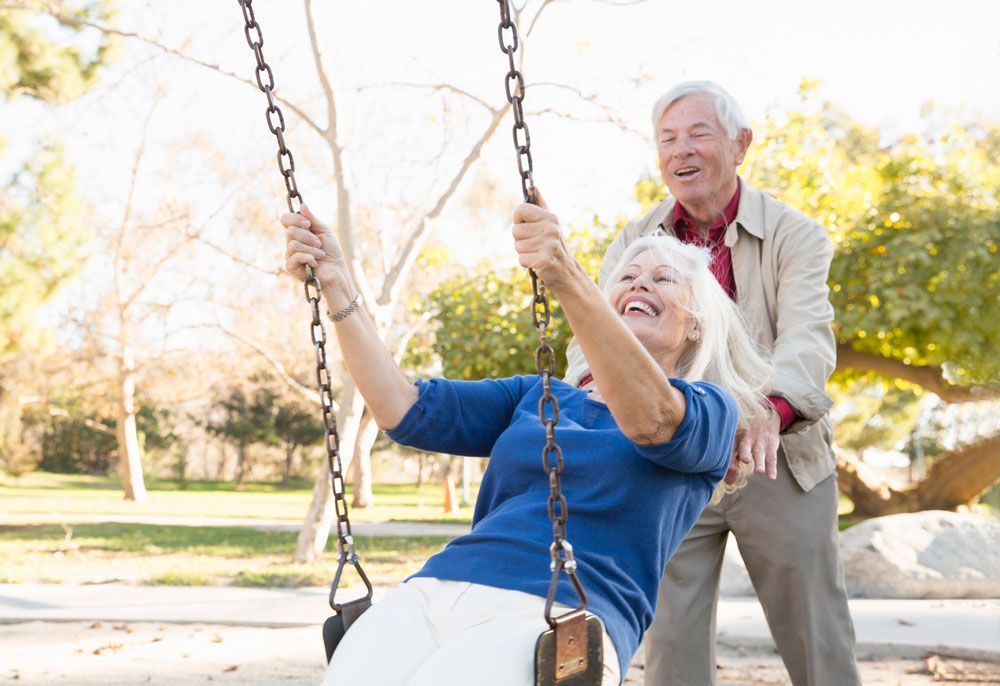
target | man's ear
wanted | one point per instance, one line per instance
(743, 141)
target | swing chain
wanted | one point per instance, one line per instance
(514, 88)
(561, 551)
(317, 332)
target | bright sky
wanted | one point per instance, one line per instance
(881, 60)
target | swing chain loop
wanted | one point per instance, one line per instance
(313, 292)
(561, 552)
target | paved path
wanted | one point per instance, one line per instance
(358, 528)
(907, 628)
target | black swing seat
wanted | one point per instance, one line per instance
(345, 614)
(337, 625)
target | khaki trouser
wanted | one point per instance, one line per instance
(788, 539)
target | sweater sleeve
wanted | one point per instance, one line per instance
(460, 417)
(704, 440)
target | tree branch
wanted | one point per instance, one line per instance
(954, 479)
(236, 258)
(345, 230)
(74, 22)
(434, 87)
(87, 421)
(929, 378)
(394, 280)
(279, 368)
(962, 475)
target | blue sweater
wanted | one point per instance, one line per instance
(630, 505)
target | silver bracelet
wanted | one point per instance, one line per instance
(347, 311)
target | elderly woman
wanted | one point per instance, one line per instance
(646, 441)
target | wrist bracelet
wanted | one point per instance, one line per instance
(347, 311)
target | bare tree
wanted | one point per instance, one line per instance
(383, 272)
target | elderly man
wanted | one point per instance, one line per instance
(774, 262)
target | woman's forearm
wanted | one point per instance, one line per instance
(387, 393)
(632, 383)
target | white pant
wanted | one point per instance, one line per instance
(429, 632)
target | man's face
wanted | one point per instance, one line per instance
(697, 160)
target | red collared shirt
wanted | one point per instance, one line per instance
(722, 267)
(722, 259)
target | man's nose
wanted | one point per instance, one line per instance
(683, 149)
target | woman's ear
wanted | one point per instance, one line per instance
(694, 333)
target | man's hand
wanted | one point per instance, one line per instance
(757, 445)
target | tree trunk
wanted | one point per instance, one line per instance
(129, 455)
(316, 528)
(958, 478)
(286, 475)
(363, 496)
(241, 462)
(220, 469)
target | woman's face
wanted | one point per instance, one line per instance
(652, 300)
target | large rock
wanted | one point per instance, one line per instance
(923, 555)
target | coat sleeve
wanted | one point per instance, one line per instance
(804, 348)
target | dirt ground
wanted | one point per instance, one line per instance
(119, 654)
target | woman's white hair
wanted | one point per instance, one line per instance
(724, 352)
(728, 111)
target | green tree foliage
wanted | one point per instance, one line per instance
(484, 326)
(871, 416)
(295, 425)
(80, 437)
(916, 224)
(262, 417)
(47, 53)
(917, 279)
(80, 443)
(42, 235)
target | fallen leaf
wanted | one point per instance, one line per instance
(109, 648)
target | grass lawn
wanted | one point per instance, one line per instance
(41, 493)
(185, 555)
(191, 556)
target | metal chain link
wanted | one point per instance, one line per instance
(561, 551)
(317, 332)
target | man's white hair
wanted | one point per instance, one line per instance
(728, 111)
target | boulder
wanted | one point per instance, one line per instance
(930, 554)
